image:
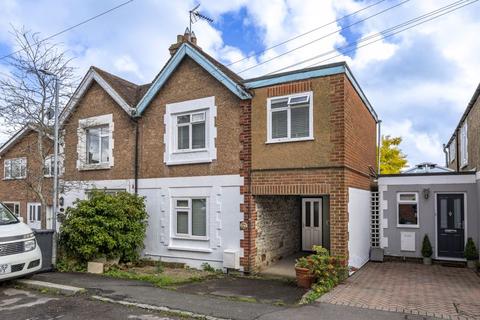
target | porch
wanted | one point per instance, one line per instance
(287, 228)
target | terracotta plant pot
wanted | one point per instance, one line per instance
(304, 277)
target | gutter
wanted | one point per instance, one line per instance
(136, 155)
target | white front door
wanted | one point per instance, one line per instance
(34, 215)
(311, 223)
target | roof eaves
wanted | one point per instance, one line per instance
(302, 74)
(187, 50)
(470, 105)
(93, 75)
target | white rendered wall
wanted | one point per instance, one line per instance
(358, 227)
(224, 216)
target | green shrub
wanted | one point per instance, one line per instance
(426, 247)
(111, 226)
(471, 252)
(328, 270)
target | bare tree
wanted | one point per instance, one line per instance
(27, 98)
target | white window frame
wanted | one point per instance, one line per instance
(83, 126)
(464, 145)
(175, 209)
(16, 204)
(452, 150)
(289, 108)
(8, 163)
(416, 201)
(189, 125)
(175, 156)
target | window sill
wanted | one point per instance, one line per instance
(13, 179)
(192, 161)
(289, 140)
(103, 166)
(407, 226)
(177, 237)
(191, 249)
(189, 151)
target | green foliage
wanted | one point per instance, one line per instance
(328, 270)
(426, 247)
(207, 267)
(111, 226)
(392, 159)
(471, 252)
(65, 264)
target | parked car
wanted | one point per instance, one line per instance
(19, 253)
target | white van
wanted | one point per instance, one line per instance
(19, 252)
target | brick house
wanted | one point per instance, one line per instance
(22, 174)
(463, 152)
(235, 172)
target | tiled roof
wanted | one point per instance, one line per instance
(130, 92)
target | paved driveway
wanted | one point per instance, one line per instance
(443, 292)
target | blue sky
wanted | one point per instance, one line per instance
(419, 81)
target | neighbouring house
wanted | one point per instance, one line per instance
(237, 173)
(428, 200)
(441, 202)
(463, 148)
(23, 179)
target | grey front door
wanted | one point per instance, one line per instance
(450, 225)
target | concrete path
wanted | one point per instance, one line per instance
(146, 293)
(134, 294)
(21, 304)
(284, 267)
(417, 289)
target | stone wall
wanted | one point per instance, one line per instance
(278, 228)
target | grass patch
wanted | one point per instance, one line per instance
(161, 275)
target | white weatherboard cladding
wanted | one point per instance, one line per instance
(223, 214)
(358, 227)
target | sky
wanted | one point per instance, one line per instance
(419, 81)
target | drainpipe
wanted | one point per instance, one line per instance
(446, 155)
(457, 151)
(379, 144)
(135, 169)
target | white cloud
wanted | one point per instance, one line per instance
(419, 81)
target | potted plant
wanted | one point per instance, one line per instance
(304, 272)
(427, 251)
(471, 253)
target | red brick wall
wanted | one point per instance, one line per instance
(21, 190)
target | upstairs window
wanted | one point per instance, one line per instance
(464, 145)
(452, 150)
(15, 168)
(290, 118)
(95, 143)
(98, 149)
(49, 167)
(191, 131)
(407, 209)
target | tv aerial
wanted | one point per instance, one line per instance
(195, 16)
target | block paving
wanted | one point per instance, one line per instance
(436, 291)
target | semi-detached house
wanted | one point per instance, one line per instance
(236, 173)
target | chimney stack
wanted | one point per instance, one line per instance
(186, 37)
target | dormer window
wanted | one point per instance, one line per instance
(290, 118)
